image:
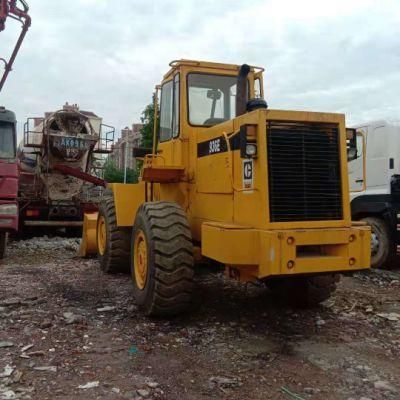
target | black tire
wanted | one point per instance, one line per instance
(168, 283)
(3, 244)
(73, 231)
(116, 257)
(304, 291)
(382, 245)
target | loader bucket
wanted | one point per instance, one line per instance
(88, 244)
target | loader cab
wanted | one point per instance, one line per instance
(195, 96)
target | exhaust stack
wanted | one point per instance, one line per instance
(241, 90)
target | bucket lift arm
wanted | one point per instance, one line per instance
(18, 10)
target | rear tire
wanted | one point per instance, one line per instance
(113, 242)
(162, 259)
(304, 291)
(3, 244)
(381, 243)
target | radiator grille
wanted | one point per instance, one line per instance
(304, 171)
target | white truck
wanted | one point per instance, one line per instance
(374, 179)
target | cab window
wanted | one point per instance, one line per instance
(169, 110)
(212, 98)
(166, 111)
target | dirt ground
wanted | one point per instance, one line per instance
(68, 331)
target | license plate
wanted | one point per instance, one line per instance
(71, 143)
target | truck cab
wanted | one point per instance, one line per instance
(374, 179)
(8, 177)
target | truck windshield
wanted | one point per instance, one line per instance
(212, 98)
(7, 142)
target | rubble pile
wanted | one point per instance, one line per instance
(69, 331)
(44, 244)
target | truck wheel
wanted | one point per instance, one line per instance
(381, 242)
(3, 244)
(304, 291)
(162, 259)
(113, 242)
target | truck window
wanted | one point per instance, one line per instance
(7, 140)
(166, 111)
(211, 99)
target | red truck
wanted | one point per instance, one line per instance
(8, 177)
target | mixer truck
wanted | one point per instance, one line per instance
(56, 158)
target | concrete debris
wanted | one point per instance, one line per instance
(11, 302)
(50, 368)
(27, 347)
(223, 382)
(384, 385)
(143, 392)
(89, 385)
(8, 395)
(6, 344)
(71, 318)
(7, 371)
(105, 309)
(389, 316)
(46, 324)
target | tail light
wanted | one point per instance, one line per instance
(32, 213)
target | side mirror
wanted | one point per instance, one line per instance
(214, 94)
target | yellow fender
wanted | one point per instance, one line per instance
(89, 235)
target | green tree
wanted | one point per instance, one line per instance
(113, 174)
(146, 131)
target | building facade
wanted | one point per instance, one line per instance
(122, 149)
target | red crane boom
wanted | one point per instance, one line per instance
(10, 8)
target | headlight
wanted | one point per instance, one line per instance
(8, 209)
(251, 150)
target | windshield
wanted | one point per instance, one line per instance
(7, 144)
(212, 98)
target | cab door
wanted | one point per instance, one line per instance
(169, 148)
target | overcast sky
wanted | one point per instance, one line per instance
(107, 55)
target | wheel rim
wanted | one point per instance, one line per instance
(101, 235)
(140, 259)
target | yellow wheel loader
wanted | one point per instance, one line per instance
(264, 192)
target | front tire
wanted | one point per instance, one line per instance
(162, 259)
(381, 242)
(113, 242)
